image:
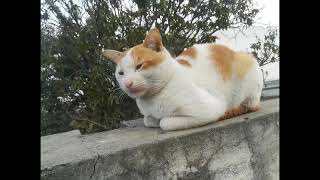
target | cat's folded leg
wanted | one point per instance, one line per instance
(178, 123)
(150, 121)
(195, 115)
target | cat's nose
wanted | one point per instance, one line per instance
(128, 83)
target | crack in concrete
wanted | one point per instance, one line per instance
(82, 139)
(94, 166)
(144, 173)
(200, 170)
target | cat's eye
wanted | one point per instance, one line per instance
(138, 66)
(121, 73)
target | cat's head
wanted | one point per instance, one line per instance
(141, 70)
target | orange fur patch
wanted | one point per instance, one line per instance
(222, 57)
(242, 109)
(184, 62)
(145, 56)
(243, 62)
(113, 55)
(153, 40)
(120, 56)
(192, 52)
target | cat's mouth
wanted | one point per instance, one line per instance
(136, 91)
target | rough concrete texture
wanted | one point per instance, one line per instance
(244, 147)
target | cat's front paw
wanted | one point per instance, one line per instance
(150, 121)
(167, 124)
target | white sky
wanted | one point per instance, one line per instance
(269, 15)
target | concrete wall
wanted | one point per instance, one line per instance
(245, 147)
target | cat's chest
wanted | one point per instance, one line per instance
(154, 107)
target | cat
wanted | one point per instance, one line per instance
(205, 83)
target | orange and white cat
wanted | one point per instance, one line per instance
(204, 84)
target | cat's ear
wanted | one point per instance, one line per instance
(113, 55)
(153, 40)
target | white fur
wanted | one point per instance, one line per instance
(189, 97)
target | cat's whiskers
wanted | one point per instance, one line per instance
(120, 94)
(117, 91)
